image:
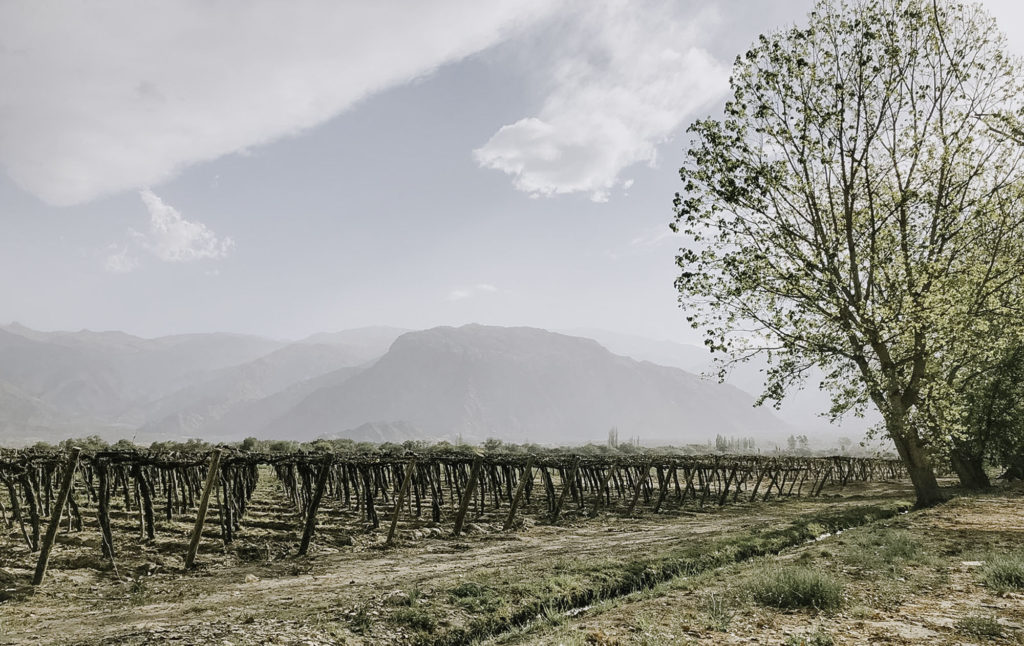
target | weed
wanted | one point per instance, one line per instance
(816, 638)
(359, 620)
(1004, 572)
(796, 587)
(718, 612)
(979, 626)
(415, 618)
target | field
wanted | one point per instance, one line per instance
(675, 550)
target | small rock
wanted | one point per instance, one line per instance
(251, 578)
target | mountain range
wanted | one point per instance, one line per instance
(369, 384)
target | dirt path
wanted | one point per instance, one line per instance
(307, 601)
(932, 596)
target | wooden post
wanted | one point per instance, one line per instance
(640, 480)
(58, 508)
(725, 491)
(314, 504)
(599, 501)
(527, 475)
(204, 503)
(566, 486)
(406, 481)
(467, 495)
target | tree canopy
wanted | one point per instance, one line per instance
(857, 209)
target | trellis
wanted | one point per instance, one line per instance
(432, 488)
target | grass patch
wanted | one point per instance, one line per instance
(816, 638)
(1003, 572)
(885, 551)
(508, 601)
(979, 626)
(793, 587)
(416, 618)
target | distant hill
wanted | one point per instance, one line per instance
(801, 409)
(524, 384)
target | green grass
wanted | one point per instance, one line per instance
(1003, 572)
(884, 552)
(816, 638)
(418, 619)
(794, 587)
(979, 626)
(506, 600)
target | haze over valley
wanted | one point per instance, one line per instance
(375, 384)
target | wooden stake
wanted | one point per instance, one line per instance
(399, 500)
(527, 475)
(566, 486)
(58, 509)
(467, 495)
(314, 504)
(204, 503)
(640, 480)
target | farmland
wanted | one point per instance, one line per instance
(571, 565)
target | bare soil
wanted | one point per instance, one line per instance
(350, 590)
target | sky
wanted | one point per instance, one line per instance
(284, 168)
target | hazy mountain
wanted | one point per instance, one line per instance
(365, 342)
(525, 384)
(801, 409)
(214, 403)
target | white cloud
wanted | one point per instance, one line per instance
(172, 238)
(119, 261)
(102, 97)
(628, 76)
(463, 293)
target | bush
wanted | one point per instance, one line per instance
(980, 626)
(797, 587)
(1003, 572)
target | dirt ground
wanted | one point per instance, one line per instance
(932, 595)
(351, 590)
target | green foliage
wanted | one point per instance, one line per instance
(415, 618)
(719, 612)
(854, 211)
(979, 626)
(816, 638)
(794, 587)
(1003, 572)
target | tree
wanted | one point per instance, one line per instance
(854, 210)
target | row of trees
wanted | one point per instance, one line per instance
(859, 208)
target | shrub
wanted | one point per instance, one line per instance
(979, 626)
(796, 587)
(1003, 572)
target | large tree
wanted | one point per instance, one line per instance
(856, 210)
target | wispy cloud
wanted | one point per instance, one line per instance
(106, 101)
(627, 77)
(463, 293)
(172, 238)
(119, 260)
(169, 238)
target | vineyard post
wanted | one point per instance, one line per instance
(398, 501)
(527, 475)
(640, 480)
(566, 485)
(204, 503)
(599, 501)
(58, 508)
(467, 495)
(314, 504)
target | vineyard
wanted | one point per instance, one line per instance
(191, 502)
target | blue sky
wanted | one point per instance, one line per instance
(286, 168)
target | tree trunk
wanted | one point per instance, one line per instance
(970, 469)
(914, 456)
